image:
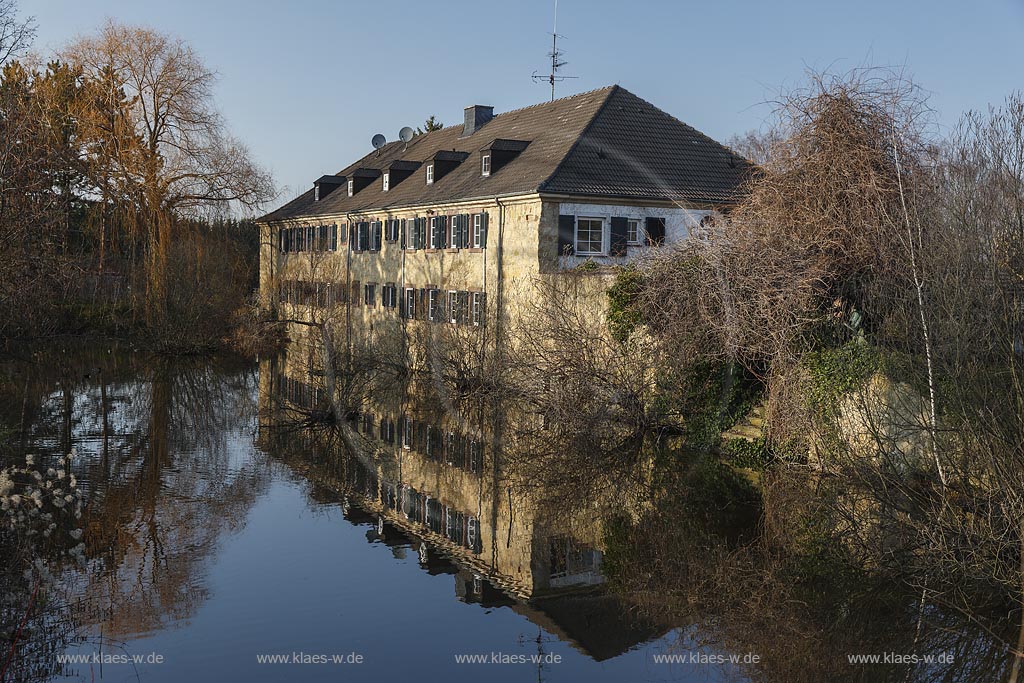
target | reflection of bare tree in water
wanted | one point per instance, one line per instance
(166, 458)
(163, 503)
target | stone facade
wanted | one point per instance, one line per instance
(498, 280)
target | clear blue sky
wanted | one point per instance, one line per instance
(307, 83)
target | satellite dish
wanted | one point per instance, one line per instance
(378, 141)
(405, 135)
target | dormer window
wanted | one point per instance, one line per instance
(430, 174)
(316, 193)
(485, 165)
(351, 187)
(387, 181)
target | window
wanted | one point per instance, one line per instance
(432, 313)
(485, 165)
(453, 307)
(453, 232)
(369, 294)
(478, 231)
(634, 233)
(355, 293)
(375, 235)
(430, 174)
(388, 296)
(391, 230)
(316, 193)
(477, 310)
(590, 237)
(387, 181)
(410, 302)
(351, 187)
(334, 237)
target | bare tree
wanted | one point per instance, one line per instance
(170, 153)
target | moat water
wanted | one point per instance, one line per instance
(228, 540)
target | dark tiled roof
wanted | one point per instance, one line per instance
(605, 142)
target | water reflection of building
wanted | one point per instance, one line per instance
(423, 483)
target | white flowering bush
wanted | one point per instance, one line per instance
(40, 511)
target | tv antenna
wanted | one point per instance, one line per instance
(556, 59)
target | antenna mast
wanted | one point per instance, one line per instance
(556, 58)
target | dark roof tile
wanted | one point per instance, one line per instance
(605, 142)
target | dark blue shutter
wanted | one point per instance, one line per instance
(655, 230)
(619, 234)
(566, 235)
(464, 228)
(483, 230)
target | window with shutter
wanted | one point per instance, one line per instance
(590, 236)
(334, 237)
(354, 298)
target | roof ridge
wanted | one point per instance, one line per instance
(612, 89)
(529, 106)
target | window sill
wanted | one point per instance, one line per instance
(451, 251)
(475, 250)
(431, 251)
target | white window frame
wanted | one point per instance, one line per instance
(351, 187)
(387, 181)
(485, 165)
(434, 232)
(453, 305)
(410, 302)
(639, 235)
(604, 236)
(476, 310)
(453, 230)
(432, 304)
(478, 230)
(430, 174)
